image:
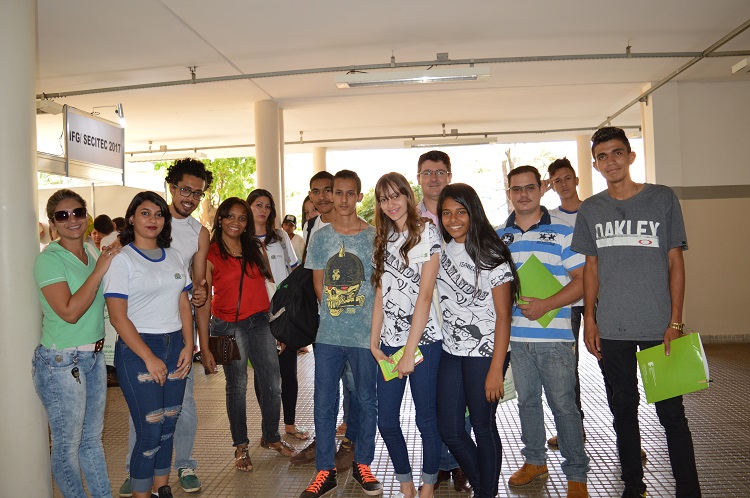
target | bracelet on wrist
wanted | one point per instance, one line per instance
(679, 327)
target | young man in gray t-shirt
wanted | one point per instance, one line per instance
(633, 237)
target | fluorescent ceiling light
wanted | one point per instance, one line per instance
(160, 156)
(384, 78)
(449, 142)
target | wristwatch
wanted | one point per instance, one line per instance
(679, 327)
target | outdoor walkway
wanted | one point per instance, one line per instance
(719, 418)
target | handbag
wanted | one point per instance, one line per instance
(224, 348)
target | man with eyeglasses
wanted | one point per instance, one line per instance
(188, 181)
(544, 355)
(433, 174)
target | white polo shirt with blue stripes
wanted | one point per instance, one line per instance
(550, 241)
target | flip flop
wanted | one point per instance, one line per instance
(243, 461)
(300, 433)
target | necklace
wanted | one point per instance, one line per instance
(233, 253)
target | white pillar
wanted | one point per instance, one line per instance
(585, 167)
(319, 159)
(24, 461)
(267, 154)
(281, 201)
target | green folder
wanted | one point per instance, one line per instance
(390, 370)
(684, 371)
(537, 281)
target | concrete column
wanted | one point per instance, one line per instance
(267, 154)
(319, 159)
(24, 461)
(585, 167)
(281, 201)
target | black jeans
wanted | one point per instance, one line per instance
(620, 365)
(575, 321)
(289, 384)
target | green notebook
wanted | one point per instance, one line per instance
(537, 281)
(684, 371)
(390, 370)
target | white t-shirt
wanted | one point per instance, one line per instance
(570, 219)
(400, 288)
(185, 235)
(108, 239)
(151, 287)
(298, 243)
(279, 268)
(468, 312)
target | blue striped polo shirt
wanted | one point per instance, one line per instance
(550, 241)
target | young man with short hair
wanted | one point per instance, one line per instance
(544, 357)
(298, 243)
(340, 256)
(188, 182)
(633, 237)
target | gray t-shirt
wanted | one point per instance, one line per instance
(631, 240)
(348, 296)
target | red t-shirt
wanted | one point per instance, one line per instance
(226, 288)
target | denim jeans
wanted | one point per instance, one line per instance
(423, 384)
(184, 433)
(255, 342)
(76, 417)
(154, 409)
(550, 365)
(329, 365)
(461, 384)
(576, 312)
(620, 365)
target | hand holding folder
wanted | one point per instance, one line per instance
(537, 281)
(390, 370)
(685, 370)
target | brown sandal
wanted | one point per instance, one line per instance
(283, 448)
(242, 462)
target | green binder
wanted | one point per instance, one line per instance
(537, 281)
(684, 371)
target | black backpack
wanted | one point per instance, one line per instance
(294, 307)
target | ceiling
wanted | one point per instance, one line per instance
(91, 45)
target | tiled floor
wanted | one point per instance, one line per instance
(719, 419)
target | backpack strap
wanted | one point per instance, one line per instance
(287, 259)
(310, 224)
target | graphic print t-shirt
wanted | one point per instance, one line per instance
(468, 311)
(346, 307)
(400, 287)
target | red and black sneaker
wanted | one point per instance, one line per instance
(370, 485)
(324, 481)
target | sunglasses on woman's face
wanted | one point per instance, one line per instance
(62, 216)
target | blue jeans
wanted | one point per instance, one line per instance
(620, 365)
(423, 384)
(76, 417)
(184, 433)
(363, 409)
(255, 342)
(550, 365)
(461, 384)
(154, 409)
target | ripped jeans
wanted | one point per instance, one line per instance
(153, 408)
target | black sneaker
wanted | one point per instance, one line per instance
(634, 493)
(370, 485)
(164, 492)
(324, 481)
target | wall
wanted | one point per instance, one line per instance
(695, 139)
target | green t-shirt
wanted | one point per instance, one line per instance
(57, 264)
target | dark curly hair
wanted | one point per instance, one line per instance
(188, 166)
(164, 239)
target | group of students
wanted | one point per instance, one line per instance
(433, 279)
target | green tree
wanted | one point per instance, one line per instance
(233, 177)
(366, 209)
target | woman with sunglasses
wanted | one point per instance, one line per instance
(68, 368)
(237, 271)
(146, 289)
(406, 261)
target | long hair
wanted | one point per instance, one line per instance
(386, 229)
(251, 249)
(164, 239)
(483, 245)
(271, 235)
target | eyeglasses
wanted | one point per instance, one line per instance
(187, 192)
(531, 187)
(438, 172)
(391, 197)
(61, 216)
